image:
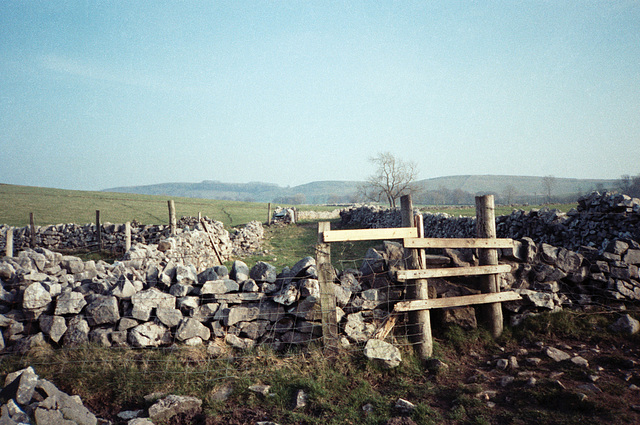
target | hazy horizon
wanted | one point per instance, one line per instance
(97, 95)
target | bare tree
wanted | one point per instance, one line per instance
(509, 194)
(392, 179)
(549, 182)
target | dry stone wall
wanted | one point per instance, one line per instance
(69, 237)
(599, 219)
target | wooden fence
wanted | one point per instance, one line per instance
(416, 274)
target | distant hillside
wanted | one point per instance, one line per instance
(524, 188)
(523, 185)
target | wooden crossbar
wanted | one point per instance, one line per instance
(456, 301)
(402, 275)
(457, 243)
(369, 234)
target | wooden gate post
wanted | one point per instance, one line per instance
(98, 230)
(172, 217)
(486, 228)
(32, 224)
(419, 321)
(8, 248)
(269, 214)
(327, 291)
(127, 236)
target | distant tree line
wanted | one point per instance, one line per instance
(630, 185)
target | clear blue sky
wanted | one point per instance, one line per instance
(97, 94)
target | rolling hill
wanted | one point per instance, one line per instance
(321, 192)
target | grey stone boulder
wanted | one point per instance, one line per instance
(357, 329)
(102, 311)
(149, 335)
(53, 326)
(205, 312)
(373, 263)
(220, 286)
(288, 295)
(239, 271)
(240, 343)
(170, 317)
(77, 331)
(241, 314)
(303, 268)
(35, 296)
(20, 385)
(70, 407)
(382, 351)
(153, 298)
(186, 275)
(191, 328)
(172, 405)
(72, 264)
(208, 274)
(556, 354)
(69, 303)
(626, 324)
(263, 272)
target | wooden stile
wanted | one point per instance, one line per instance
(369, 234)
(403, 275)
(460, 301)
(327, 291)
(457, 243)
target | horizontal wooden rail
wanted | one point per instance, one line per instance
(369, 234)
(464, 300)
(457, 243)
(403, 275)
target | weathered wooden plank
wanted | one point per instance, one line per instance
(327, 291)
(369, 234)
(402, 275)
(465, 300)
(457, 243)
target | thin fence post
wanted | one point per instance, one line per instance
(32, 226)
(486, 228)
(327, 291)
(419, 321)
(98, 231)
(269, 214)
(127, 236)
(172, 217)
(199, 216)
(8, 249)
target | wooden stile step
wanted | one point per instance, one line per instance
(403, 275)
(464, 300)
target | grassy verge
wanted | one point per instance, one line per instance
(349, 389)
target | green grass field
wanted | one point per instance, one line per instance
(54, 206)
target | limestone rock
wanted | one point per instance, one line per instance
(69, 303)
(35, 297)
(626, 324)
(149, 335)
(172, 405)
(379, 350)
(102, 311)
(191, 328)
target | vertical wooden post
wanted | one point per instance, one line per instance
(172, 217)
(199, 216)
(8, 249)
(269, 214)
(419, 321)
(486, 228)
(98, 231)
(127, 236)
(327, 291)
(32, 226)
